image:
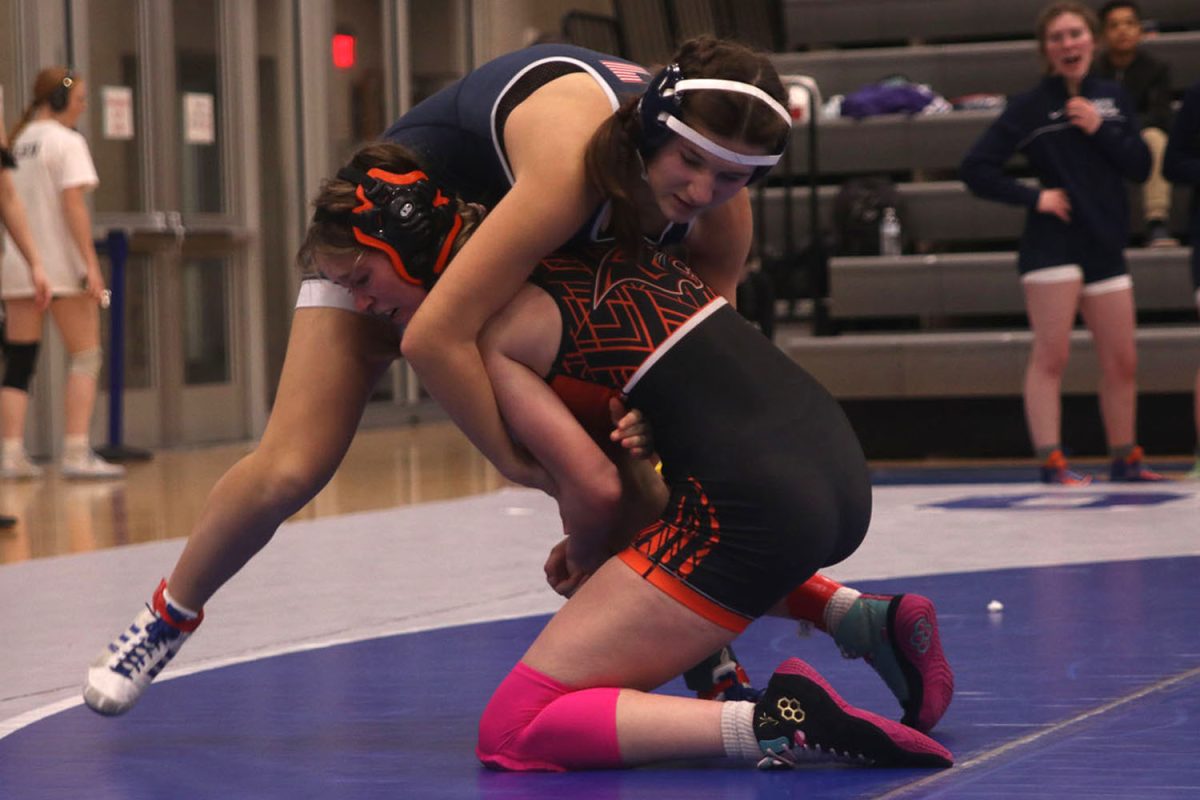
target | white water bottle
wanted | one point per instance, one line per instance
(889, 233)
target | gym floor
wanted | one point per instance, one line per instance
(353, 657)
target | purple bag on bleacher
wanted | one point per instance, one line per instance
(888, 97)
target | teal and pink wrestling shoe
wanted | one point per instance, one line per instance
(898, 636)
(800, 718)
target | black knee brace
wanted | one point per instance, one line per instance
(20, 358)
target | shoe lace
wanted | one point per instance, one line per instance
(802, 752)
(143, 648)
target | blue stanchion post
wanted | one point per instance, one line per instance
(116, 245)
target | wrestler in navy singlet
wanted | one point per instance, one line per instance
(768, 481)
(1091, 169)
(458, 134)
(459, 131)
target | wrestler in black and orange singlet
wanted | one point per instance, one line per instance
(768, 481)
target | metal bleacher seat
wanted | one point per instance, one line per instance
(959, 69)
(945, 290)
(965, 284)
(945, 213)
(891, 142)
(940, 211)
(855, 22)
(975, 363)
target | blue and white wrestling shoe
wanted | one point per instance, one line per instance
(118, 676)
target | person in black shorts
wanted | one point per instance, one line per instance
(1080, 136)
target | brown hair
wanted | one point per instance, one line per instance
(1056, 10)
(329, 234)
(47, 82)
(613, 162)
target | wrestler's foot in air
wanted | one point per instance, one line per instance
(898, 636)
(119, 675)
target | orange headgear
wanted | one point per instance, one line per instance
(406, 216)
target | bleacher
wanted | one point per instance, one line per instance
(856, 23)
(959, 69)
(946, 320)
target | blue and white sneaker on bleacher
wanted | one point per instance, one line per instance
(119, 675)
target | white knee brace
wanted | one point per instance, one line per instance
(86, 362)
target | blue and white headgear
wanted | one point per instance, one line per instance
(661, 114)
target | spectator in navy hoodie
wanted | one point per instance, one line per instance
(1148, 82)
(1080, 136)
(1182, 165)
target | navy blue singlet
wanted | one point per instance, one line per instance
(459, 131)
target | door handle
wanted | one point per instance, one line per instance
(173, 222)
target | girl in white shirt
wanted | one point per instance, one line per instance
(54, 172)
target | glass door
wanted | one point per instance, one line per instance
(167, 134)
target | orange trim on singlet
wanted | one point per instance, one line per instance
(676, 589)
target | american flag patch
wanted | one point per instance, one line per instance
(627, 73)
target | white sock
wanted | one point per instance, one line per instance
(838, 605)
(75, 447)
(175, 605)
(737, 730)
(13, 447)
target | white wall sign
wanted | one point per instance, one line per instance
(118, 111)
(199, 118)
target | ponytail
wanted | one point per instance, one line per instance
(47, 82)
(23, 121)
(614, 166)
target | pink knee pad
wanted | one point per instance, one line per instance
(535, 723)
